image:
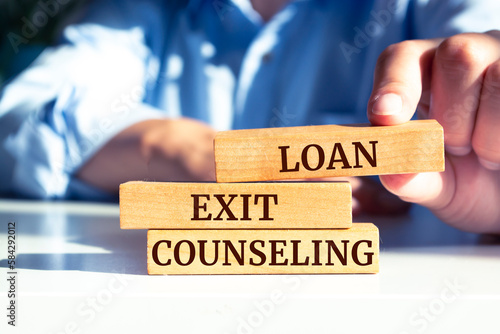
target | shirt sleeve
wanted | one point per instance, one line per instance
(77, 96)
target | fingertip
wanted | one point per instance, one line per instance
(494, 166)
(388, 109)
(388, 104)
(396, 182)
(424, 188)
(399, 78)
(458, 150)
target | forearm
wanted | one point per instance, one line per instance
(160, 150)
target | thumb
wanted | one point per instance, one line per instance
(433, 190)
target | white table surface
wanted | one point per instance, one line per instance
(79, 273)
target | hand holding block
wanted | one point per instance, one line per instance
(167, 205)
(328, 150)
(208, 252)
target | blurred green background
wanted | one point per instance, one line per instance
(27, 27)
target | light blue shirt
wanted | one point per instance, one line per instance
(128, 61)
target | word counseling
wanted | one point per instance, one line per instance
(263, 252)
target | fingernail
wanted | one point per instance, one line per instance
(489, 164)
(458, 150)
(388, 104)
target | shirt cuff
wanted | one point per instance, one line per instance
(53, 143)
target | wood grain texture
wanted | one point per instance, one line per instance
(208, 252)
(328, 150)
(165, 205)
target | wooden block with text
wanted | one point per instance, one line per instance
(208, 252)
(170, 205)
(328, 150)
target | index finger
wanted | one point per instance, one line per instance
(401, 74)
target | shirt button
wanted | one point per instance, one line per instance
(267, 57)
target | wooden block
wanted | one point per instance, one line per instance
(162, 205)
(328, 150)
(207, 252)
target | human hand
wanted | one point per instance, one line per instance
(160, 150)
(457, 82)
(180, 150)
(369, 196)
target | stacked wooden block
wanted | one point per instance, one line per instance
(252, 227)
